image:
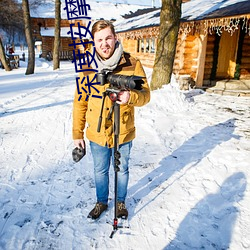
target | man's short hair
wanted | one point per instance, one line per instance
(102, 24)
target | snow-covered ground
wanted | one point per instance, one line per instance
(189, 170)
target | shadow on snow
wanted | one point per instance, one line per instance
(190, 153)
(210, 223)
(23, 110)
(215, 220)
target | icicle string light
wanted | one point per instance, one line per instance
(218, 25)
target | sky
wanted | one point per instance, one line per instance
(189, 169)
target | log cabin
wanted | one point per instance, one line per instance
(213, 41)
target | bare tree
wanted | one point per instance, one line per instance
(11, 25)
(28, 33)
(11, 17)
(56, 59)
(3, 57)
(168, 34)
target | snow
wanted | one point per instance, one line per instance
(65, 31)
(189, 169)
(156, 3)
(98, 9)
(192, 10)
(196, 9)
(145, 20)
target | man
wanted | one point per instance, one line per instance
(109, 56)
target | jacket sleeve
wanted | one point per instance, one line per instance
(79, 113)
(141, 97)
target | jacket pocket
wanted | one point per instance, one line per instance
(126, 120)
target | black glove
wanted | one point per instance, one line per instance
(78, 153)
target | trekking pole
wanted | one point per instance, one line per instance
(117, 156)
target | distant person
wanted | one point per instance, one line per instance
(11, 50)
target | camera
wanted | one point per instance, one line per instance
(120, 81)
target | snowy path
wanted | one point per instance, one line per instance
(189, 171)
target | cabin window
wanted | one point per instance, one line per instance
(140, 45)
(146, 45)
(152, 45)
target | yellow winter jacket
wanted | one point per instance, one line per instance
(89, 110)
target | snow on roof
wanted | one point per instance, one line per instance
(50, 31)
(146, 20)
(198, 9)
(98, 10)
(192, 10)
(38, 42)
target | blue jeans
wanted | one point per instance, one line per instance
(102, 157)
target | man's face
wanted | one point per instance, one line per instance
(105, 43)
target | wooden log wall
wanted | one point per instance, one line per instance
(48, 45)
(131, 46)
(48, 41)
(186, 55)
(178, 61)
(245, 60)
(191, 54)
(50, 22)
(209, 58)
(146, 59)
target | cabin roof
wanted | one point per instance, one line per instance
(50, 31)
(194, 10)
(208, 9)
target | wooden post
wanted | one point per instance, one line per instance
(201, 60)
